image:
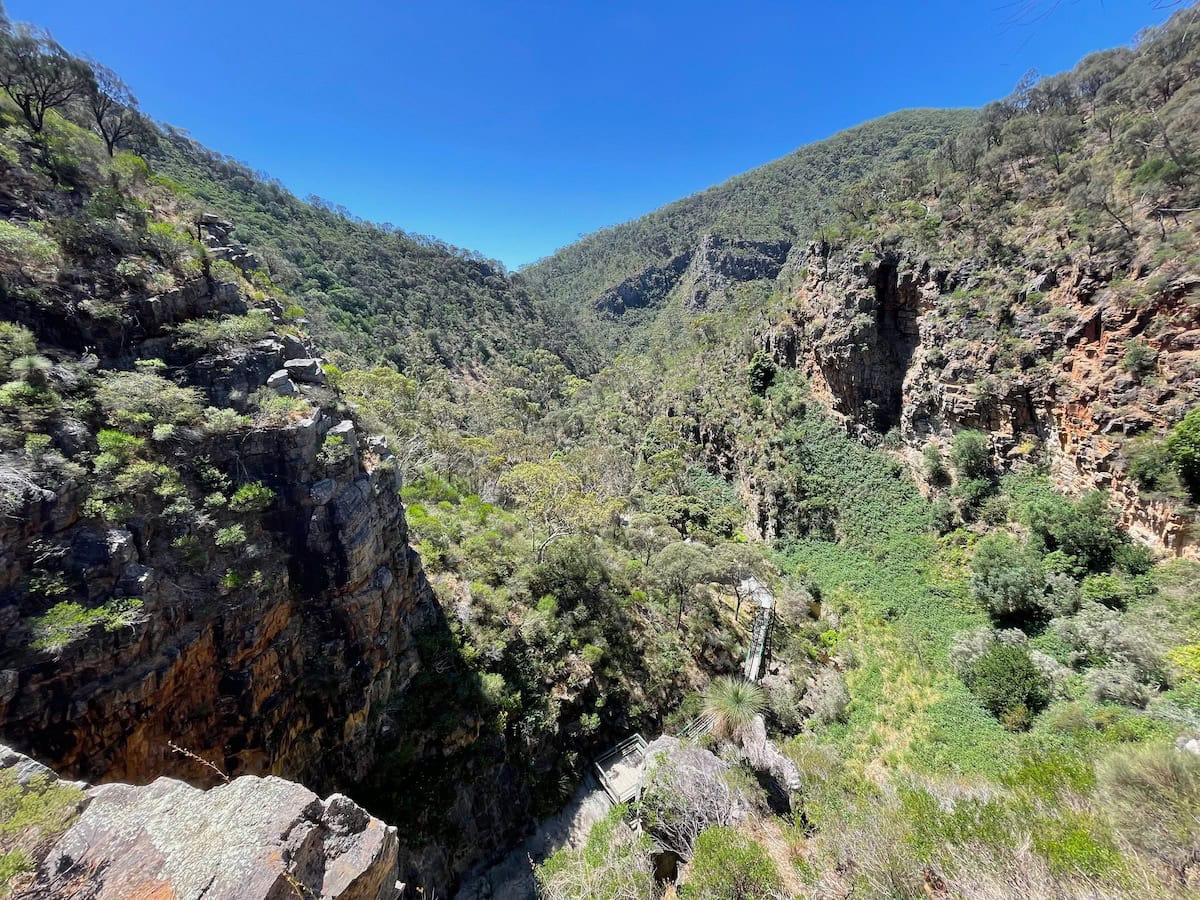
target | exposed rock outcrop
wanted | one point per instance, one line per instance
(250, 839)
(896, 343)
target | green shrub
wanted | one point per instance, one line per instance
(1085, 530)
(26, 248)
(1183, 446)
(1139, 359)
(760, 373)
(223, 420)
(728, 865)
(969, 454)
(141, 400)
(230, 536)
(15, 341)
(334, 451)
(1004, 678)
(614, 864)
(1006, 577)
(226, 332)
(67, 621)
(274, 410)
(252, 497)
(1151, 467)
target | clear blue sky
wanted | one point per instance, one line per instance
(513, 127)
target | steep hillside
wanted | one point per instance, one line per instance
(371, 292)
(614, 273)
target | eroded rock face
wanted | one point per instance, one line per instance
(251, 839)
(895, 343)
(284, 668)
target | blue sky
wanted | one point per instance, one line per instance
(513, 127)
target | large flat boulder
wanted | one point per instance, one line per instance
(251, 839)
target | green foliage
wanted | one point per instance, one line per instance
(67, 621)
(226, 332)
(252, 497)
(142, 399)
(26, 248)
(335, 451)
(728, 865)
(1007, 577)
(613, 864)
(733, 703)
(1152, 796)
(761, 373)
(230, 536)
(970, 455)
(1183, 446)
(32, 816)
(1004, 679)
(1139, 358)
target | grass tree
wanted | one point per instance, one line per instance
(733, 702)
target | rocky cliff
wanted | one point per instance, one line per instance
(893, 342)
(268, 654)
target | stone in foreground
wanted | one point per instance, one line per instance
(252, 839)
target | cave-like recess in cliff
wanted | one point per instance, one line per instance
(896, 311)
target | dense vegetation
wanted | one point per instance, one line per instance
(784, 200)
(980, 685)
(372, 292)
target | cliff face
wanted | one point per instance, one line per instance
(282, 670)
(894, 343)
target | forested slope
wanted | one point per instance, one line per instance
(787, 199)
(372, 292)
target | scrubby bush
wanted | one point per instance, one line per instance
(15, 341)
(1152, 798)
(1086, 531)
(67, 621)
(230, 536)
(1004, 680)
(142, 399)
(614, 864)
(970, 456)
(226, 332)
(1007, 578)
(968, 647)
(252, 497)
(827, 697)
(728, 865)
(1151, 466)
(26, 248)
(223, 420)
(274, 410)
(1139, 358)
(1183, 445)
(934, 466)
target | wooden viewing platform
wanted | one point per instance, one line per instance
(620, 769)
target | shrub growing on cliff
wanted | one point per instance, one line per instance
(728, 865)
(252, 497)
(1183, 444)
(969, 454)
(139, 400)
(66, 621)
